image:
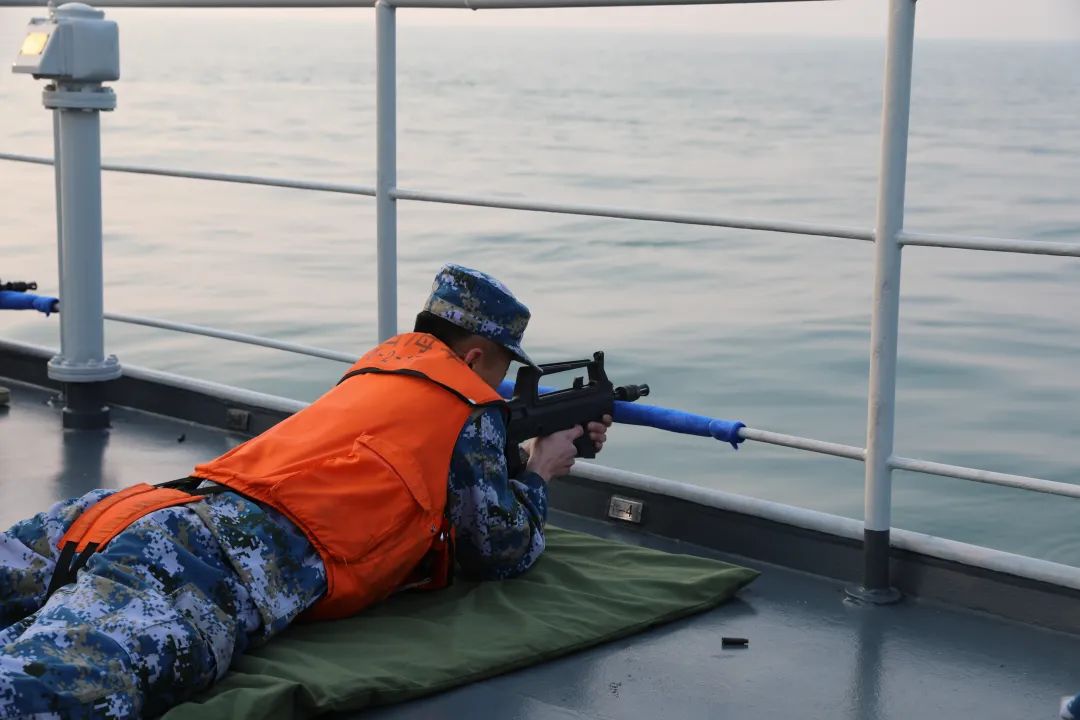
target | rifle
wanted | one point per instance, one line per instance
(18, 286)
(15, 295)
(533, 414)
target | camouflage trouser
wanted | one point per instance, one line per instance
(155, 617)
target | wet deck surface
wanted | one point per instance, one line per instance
(811, 655)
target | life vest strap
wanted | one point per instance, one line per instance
(107, 518)
(68, 565)
(90, 515)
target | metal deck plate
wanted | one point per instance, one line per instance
(41, 463)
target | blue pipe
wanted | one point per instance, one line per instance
(14, 300)
(662, 418)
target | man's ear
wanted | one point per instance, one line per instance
(472, 356)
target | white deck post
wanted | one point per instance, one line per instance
(386, 172)
(886, 312)
(77, 49)
(58, 184)
(82, 364)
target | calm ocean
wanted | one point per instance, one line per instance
(767, 328)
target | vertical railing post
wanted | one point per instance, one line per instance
(82, 364)
(58, 184)
(78, 49)
(386, 171)
(886, 312)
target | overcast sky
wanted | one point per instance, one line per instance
(996, 19)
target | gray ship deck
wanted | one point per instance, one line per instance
(811, 655)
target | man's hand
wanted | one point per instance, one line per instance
(553, 455)
(598, 432)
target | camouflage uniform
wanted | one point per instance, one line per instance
(499, 523)
(157, 615)
(163, 610)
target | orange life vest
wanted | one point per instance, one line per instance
(362, 471)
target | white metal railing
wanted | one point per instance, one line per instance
(633, 214)
(233, 336)
(216, 177)
(448, 4)
(885, 312)
(888, 236)
(397, 193)
(797, 442)
(1031, 247)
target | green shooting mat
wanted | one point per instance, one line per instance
(584, 591)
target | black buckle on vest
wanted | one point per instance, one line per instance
(190, 485)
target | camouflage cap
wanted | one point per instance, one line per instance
(482, 305)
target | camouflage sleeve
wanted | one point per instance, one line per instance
(498, 521)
